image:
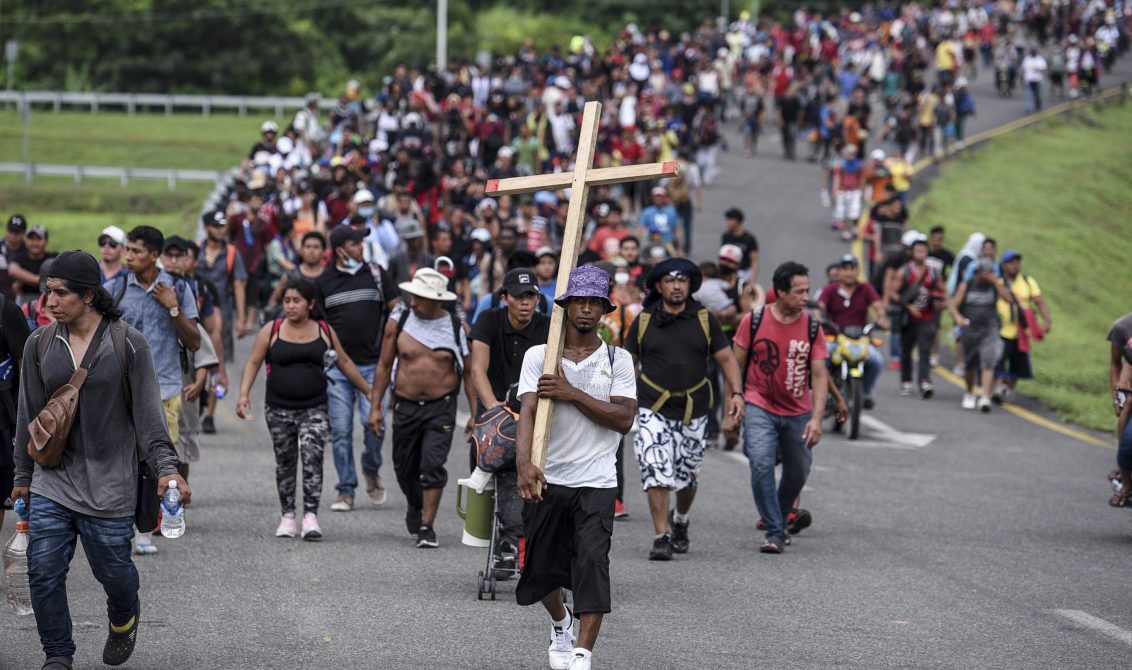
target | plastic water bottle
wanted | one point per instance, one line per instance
(219, 391)
(172, 513)
(17, 590)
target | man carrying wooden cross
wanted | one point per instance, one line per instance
(569, 524)
(567, 549)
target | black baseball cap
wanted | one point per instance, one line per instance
(520, 281)
(176, 242)
(216, 218)
(17, 223)
(341, 234)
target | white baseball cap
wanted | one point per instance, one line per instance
(115, 233)
(363, 195)
(269, 127)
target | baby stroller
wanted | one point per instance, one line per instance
(492, 498)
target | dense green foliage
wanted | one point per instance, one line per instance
(289, 47)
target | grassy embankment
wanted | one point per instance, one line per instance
(1058, 193)
(75, 213)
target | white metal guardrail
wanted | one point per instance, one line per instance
(131, 102)
(122, 174)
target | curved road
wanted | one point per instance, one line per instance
(943, 539)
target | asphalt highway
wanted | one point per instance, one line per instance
(942, 539)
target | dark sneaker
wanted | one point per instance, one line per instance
(413, 522)
(661, 548)
(426, 538)
(119, 646)
(679, 534)
(869, 403)
(208, 426)
(760, 524)
(773, 545)
(798, 520)
(57, 663)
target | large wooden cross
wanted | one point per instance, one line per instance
(579, 182)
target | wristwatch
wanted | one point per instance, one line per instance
(175, 312)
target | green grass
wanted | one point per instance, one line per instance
(188, 141)
(74, 214)
(1059, 193)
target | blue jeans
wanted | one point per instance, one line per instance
(873, 367)
(766, 435)
(342, 395)
(1124, 448)
(54, 529)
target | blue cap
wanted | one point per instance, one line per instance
(848, 259)
(1011, 255)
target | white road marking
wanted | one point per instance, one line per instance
(1100, 625)
(877, 434)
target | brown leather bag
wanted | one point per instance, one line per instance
(50, 428)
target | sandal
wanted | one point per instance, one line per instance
(1118, 500)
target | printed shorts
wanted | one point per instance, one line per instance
(669, 453)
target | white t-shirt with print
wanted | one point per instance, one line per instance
(582, 453)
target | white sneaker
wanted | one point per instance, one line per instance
(907, 388)
(311, 531)
(580, 662)
(934, 360)
(342, 504)
(562, 642)
(287, 526)
(959, 370)
(143, 544)
(984, 404)
(969, 401)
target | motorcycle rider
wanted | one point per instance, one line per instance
(848, 303)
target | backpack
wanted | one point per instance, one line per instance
(756, 321)
(688, 393)
(966, 105)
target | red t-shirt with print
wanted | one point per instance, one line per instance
(778, 371)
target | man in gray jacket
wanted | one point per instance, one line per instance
(91, 494)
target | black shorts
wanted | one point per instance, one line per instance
(1014, 364)
(568, 536)
(422, 438)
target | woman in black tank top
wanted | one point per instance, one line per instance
(297, 349)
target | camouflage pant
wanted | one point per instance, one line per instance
(296, 432)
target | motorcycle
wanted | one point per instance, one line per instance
(848, 354)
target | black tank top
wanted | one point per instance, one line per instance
(295, 379)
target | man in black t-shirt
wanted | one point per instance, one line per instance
(355, 307)
(24, 267)
(671, 342)
(501, 337)
(500, 340)
(737, 235)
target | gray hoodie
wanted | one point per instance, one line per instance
(99, 471)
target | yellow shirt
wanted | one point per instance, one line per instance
(901, 174)
(1025, 289)
(944, 56)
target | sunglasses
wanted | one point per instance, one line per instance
(107, 240)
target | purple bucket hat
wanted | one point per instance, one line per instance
(587, 282)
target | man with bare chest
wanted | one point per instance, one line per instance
(423, 355)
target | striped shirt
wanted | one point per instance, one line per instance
(355, 309)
